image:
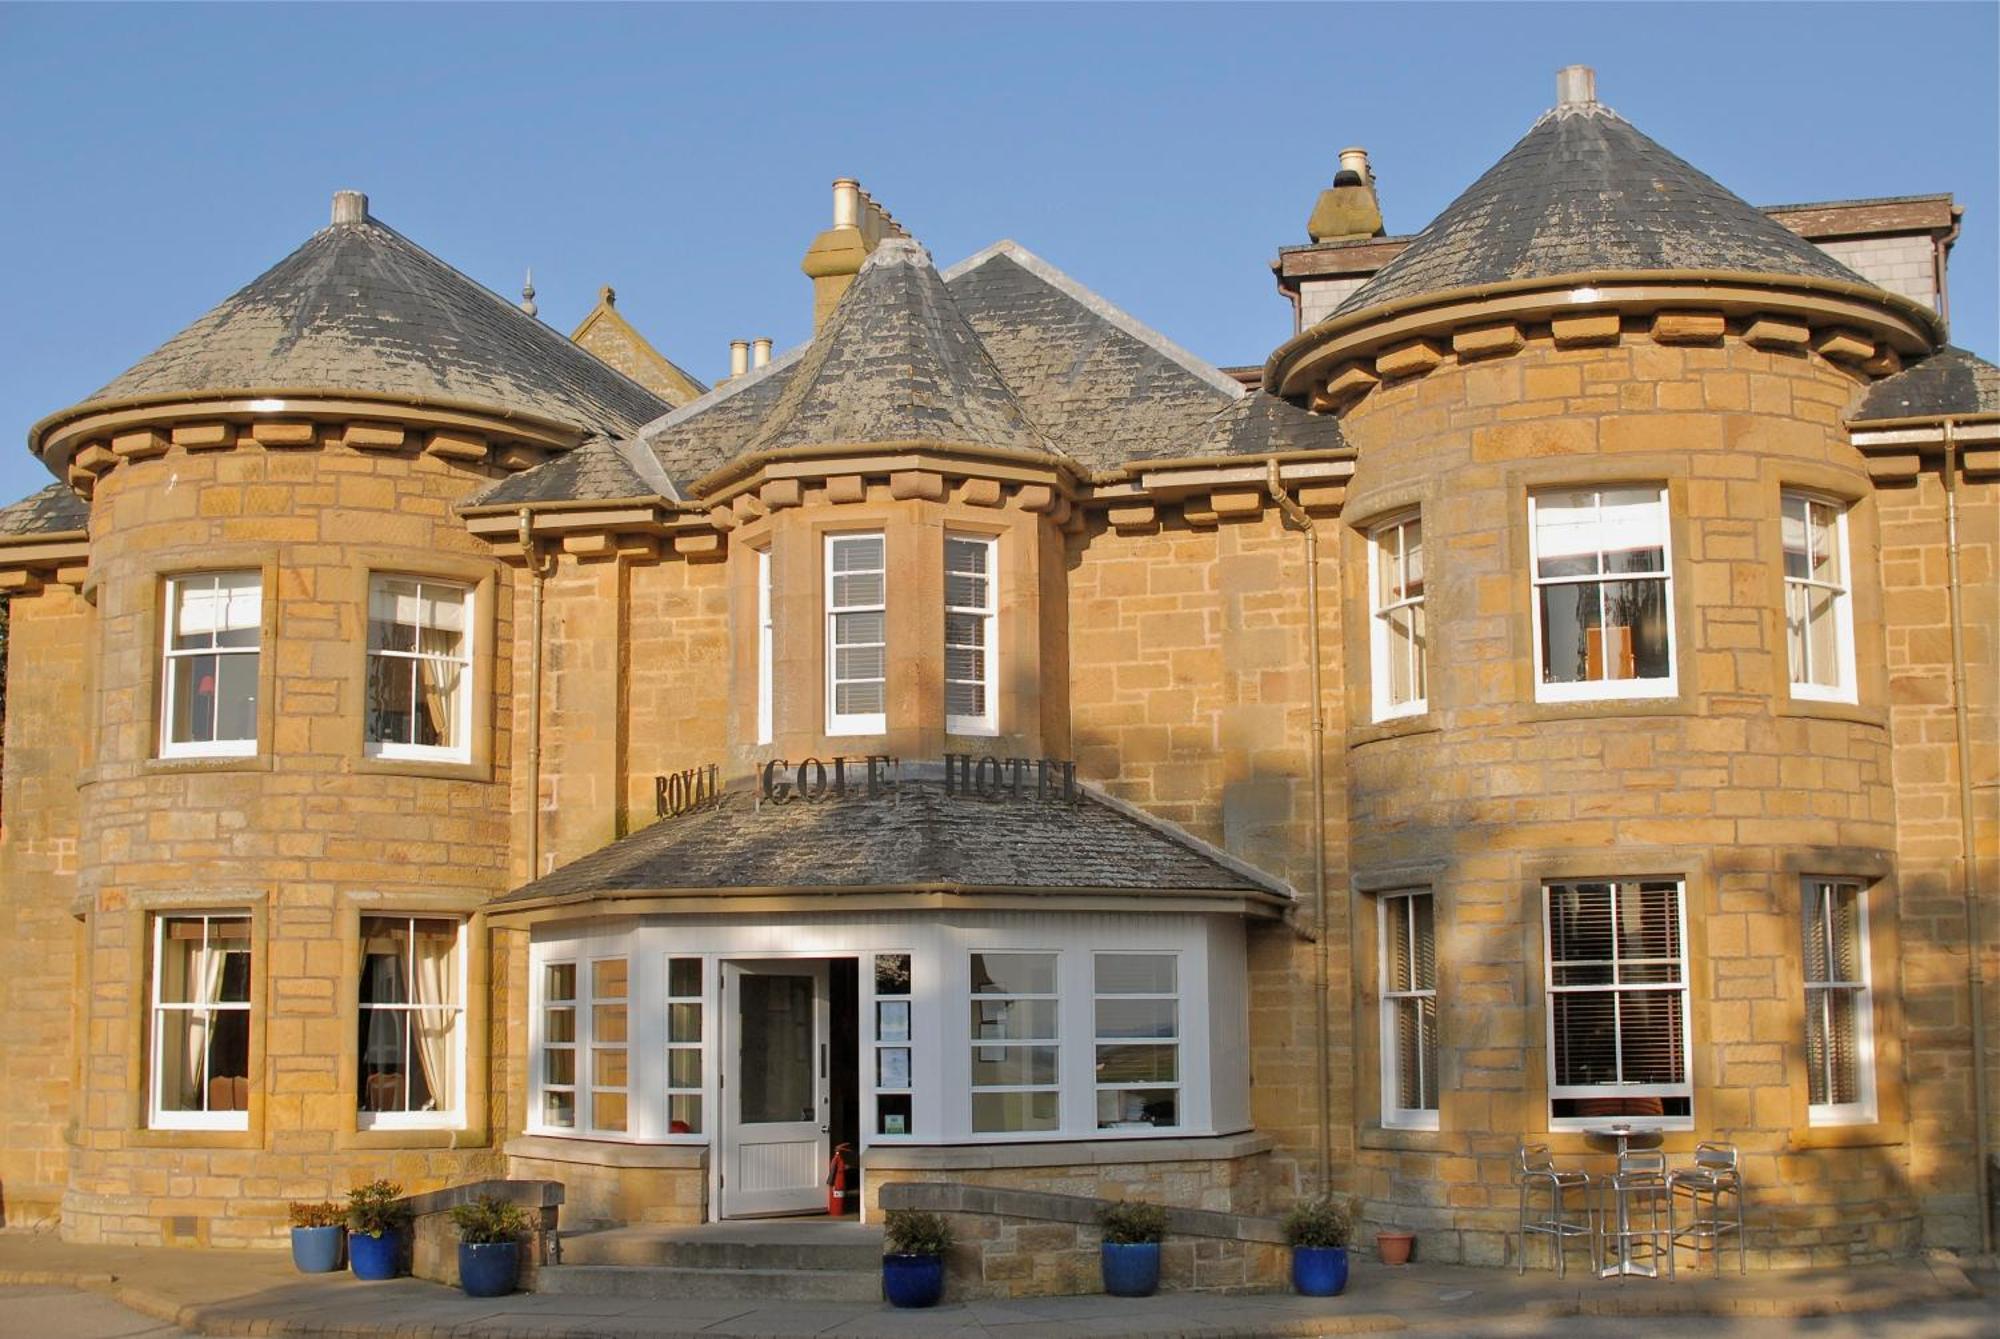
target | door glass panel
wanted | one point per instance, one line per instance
(777, 1049)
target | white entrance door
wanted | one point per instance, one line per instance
(774, 1092)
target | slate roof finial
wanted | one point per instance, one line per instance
(528, 294)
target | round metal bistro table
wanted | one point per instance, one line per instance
(1626, 1136)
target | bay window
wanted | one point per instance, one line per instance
(1617, 1002)
(200, 1023)
(1840, 1034)
(211, 671)
(856, 635)
(411, 1047)
(1408, 956)
(1819, 620)
(1016, 1048)
(686, 1030)
(1603, 593)
(419, 682)
(1396, 635)
(970, 644)
(894, 1066)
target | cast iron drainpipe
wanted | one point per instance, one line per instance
(1975, 972)
(537, 570)
(1296, 514)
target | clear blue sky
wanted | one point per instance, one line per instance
(154, 159)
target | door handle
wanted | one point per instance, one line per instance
(823, 1129)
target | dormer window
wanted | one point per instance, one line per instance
(857, 635)
(970, 616)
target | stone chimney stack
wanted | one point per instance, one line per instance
(739, 358)
(1347, 210)
(1576, 86)
(836, 255)
(350, 207)
(760, 352)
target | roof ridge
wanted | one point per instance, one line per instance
(1100, 306)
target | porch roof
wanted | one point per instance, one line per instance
(914, 840)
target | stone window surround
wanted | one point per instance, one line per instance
(1861, 1111)
(988, 721)
(156, 574)
(480, 578)
(143, 908)
(159, 1011)
(1606, 688)
(470, 607)
(1381, 709)
(1843, 688)
(1367, 887)
(1851, 488)
(1399, 902)
(467, 1126)
(834, 721)
(174, 662)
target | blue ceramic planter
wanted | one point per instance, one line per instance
(374, 1257)
(488, 1268)
(1131, 1269)
(913, 1280)
(316, 1250)
(1319, 1271)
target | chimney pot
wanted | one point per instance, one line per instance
(846, 203)
(1355, 159)
(739, 357)
(1576, 86)
(760, 353)
(350, 207)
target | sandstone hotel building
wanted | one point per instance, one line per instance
(1557, 685)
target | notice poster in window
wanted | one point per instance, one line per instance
(892, 1123)
(894, 1067)
(892, 1020)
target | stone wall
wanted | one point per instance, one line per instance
(48, 673)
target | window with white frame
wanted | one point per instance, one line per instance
(1840, 1034)
(1396, 629)
(200, 1010)
(1617, 1002)
(212, 659)
(1819, 620)
(1138, 1040)
(1409, 1010)
(765, 646)
(1016, 1050)
(411, 1047)
(894, 1052)
(857, 635)
(1603, 606)
(685, 1019)
(559, 1005)
(419, 668)
(610, 1056)
(971, 620)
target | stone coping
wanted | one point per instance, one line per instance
(1080, 1153)
(606, 1153)
(954, 1197)
(527, 1194)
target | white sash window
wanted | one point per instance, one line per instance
(971, 653)
(200, 1052)
(1396, 628)
(857, 635)
(1819, 619)
(1840, 1033)
(1617, 1003)
(419, 669)
(1016, 1043)
(411, 1048)
(1138, 1040)
(1603, 608)
(210, 678)
(1409, 1010)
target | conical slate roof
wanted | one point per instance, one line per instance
(1586, 192)
(360, 308)
(896, 362)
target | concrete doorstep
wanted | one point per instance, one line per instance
(258, 1293)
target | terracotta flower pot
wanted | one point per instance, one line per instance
(1394, 1247)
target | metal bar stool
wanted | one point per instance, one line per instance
(1535, 1169)
(1715, 1172)
(1638, 1187)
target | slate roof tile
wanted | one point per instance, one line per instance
(359, 307)
(597, 470)
(1586, 191)
(1950, 381)
(918, 837)
(54, 510)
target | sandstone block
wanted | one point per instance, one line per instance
(979, 492)
(1777, 332)
(1487, 341)
(780, 493)
(846, 488)
(1410, 359)
(516, 456)
(1843, 346)
(907, 484)
(204, 436)
(374, 436)
(140, 444)
(1134, 518)
(1349, 382)
(1688, 327)
(94, 459)
(283, 432)
(1585, 329)
(456, 445)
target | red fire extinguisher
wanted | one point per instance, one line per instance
(840, 1192)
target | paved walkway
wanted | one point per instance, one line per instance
(258, 1293)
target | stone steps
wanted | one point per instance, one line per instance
(797, 1260)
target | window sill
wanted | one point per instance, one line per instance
(606, 1153)
(1602, 707)
(155, 1138)
(1396, 727)
(412, 1136)
(1401, 1139)
(1876, 1134)
(228, 762)
(443, 769)
(1823, 709)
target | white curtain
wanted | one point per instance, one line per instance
(434, 1017)
(210, 959)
